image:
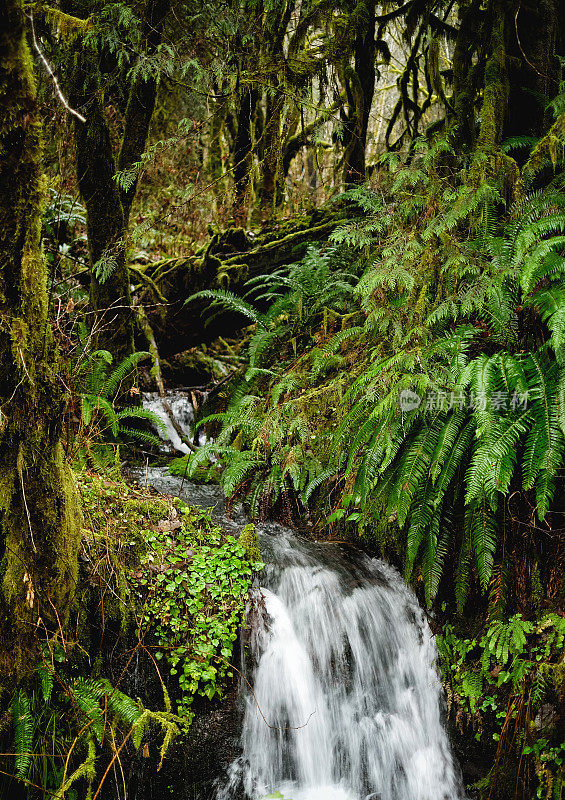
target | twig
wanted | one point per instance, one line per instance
(47, 66)
(20, 472)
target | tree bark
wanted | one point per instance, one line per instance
(39, 510)
(361, 98)
(271, 155)
(107, 206)
(242, 153)
(141, 102)
(533, 66)
(110, 295)
(464, 75)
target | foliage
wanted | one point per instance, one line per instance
(272, 451)
(506, 685)
(101, 387)
(195, 581)
(57, 712)
(484, 414)
(446, 402)
(68, 718)
(64, 221)
(139, 553)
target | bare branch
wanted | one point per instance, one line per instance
(51, 73)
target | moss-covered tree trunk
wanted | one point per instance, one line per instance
(271, 155)
(242, 152)
(360, 87)
(465, 74)
(141, 101)
(110, 296)
(533, 66)
(107, 206)
(39, 510)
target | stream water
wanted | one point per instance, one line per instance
(183, 413)
(346, 701)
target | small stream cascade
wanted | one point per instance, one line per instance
(183, 413)
(346, 701)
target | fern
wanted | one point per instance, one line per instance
(86, 694)
(315, 483)
(106, 265)
(24, 730)
(120, 372)
(230, 302)
(504, 640)
(121, 705)
(518, 143)
(462, 575)
(101, 386)
(46, 677)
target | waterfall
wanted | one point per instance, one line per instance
(183, 413)
(346, 700)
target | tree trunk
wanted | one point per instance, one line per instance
(39, 510)
(242, 153)
(361, 97)
(141, 102)
(464, 75)
(533, 66)
(110, 295)
(107, 206)
(271, 155)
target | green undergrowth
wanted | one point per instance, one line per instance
(159, 581)
(194, 583)
(184, 584)
(407, 380)
(504, 686)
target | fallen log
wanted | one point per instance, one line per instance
(231, 258)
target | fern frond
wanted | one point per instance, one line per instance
(462, 573)
(24, 730)
(550, 304)
(91, 403)
(133, 412)
(315, 483)
(86, 693)
(484, 537)
(413, 467)
(119, 374)
(231, 302)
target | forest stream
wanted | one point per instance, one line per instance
(282, 400)
(341, 696)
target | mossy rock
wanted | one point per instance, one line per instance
(249, 541)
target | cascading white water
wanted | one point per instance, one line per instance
(183, 413)
(346, 699)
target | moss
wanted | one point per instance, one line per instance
(110, 298)
(250, 543)
(67, 26)
(496, 91)
(496, 168)
(490, 165)
(39, 513)
(547, 151)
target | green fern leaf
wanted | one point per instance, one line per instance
(24, 730)
(484, 537)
